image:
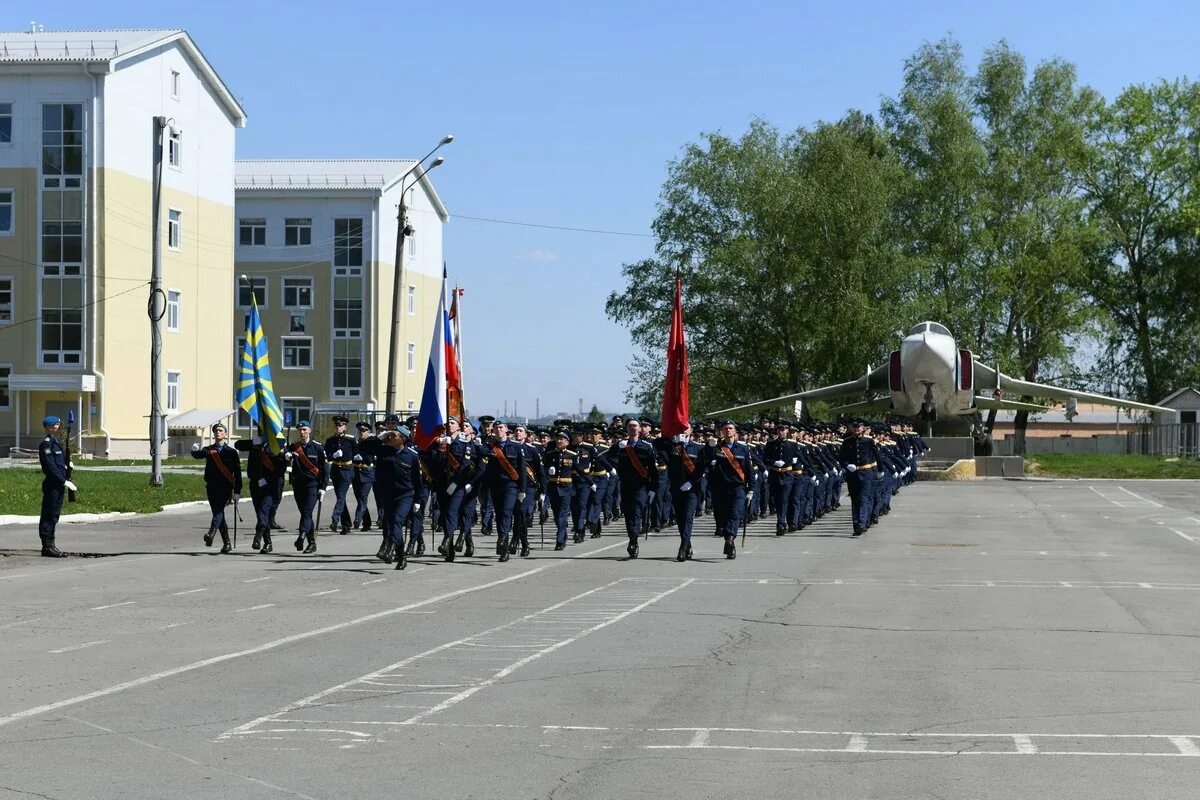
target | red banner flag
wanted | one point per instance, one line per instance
(675, 389)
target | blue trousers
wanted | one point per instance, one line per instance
(580, 498)
(523, 514)
(595, 506)
(503, 496)
(862, 488)
(218, 496)
(306, 502)
(363, 483)
(729, 506)
(634, 500)
(560, 502)
(781, 495)
(265, 502)
(452, 508)
(685, 504)
(52, 500)
(416, 518)
(397, 509)
(341, 478)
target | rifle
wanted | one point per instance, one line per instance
(67, 456)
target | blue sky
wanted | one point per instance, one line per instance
(567, 114)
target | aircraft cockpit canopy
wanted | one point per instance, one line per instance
(929, 327)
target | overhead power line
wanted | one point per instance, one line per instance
(552, 227)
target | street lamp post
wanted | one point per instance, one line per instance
(402, 230)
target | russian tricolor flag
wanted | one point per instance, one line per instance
(431, 421)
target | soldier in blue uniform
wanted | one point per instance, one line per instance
(535, 489)
(363, 481)
(637, 470)
(685, 468)
(486, 511)
(397, 480)
(780, 456)
(585, 485)
(597, 515)
(505, 482)
(561, 465)
(728, 478)
(309, 479)
(222, 482)
(264, 472)
(339, 454)
(455, 469)
(54, 485)
(859, 458)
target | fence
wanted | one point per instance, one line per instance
(1175, 439)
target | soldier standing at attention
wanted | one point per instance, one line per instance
(637, 472)
(222, 481)
(729, 476)
(339, 452)
(55, 482)
(363, 481)
(308, 481)
(264, 471)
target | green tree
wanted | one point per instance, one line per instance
(784, 243)
(595, 416)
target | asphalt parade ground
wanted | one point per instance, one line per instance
(989, 639)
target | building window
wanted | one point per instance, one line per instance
(412, 300)
(297, 292)
(412, 357)
(238, 353)
(5, 372)
(172, 390)
(175, 148)
(173, 299)
(256, 285)
(347, 299)
(412, 243)
(175, 84)
(298, 407)
(347, 242)
(412, 405)
(297, 231)
(297, 352)
(243, 418)
(347, 364)
(174, 229)
(5, 123)
(61, 327)
(252, 232)
(6, 211)
(62, 139)
(6, 299)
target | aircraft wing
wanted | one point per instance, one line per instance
(875, 380)
(988, 403)
(881, 403)
(988, 378)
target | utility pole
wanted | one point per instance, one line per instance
(537, 408)
(156, 309)
(506, 409)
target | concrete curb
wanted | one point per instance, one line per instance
(73, 519)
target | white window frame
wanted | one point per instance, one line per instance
(283, 289)
(284, 402)
(412, 300)
(254, 280)
(176, 80)
(411, 356)
(237, 355)
(5, 392)
(10, 116)
(12, 211)
(178, 308)
(175, 229)
(412, 243)
(178, 384)
(292, 223)
(7, 309)
(292, 341)
(254, 224)
(175, 148)
(412, 406)
(347, 393)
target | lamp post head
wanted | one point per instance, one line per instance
(447, 139)
(437, 162)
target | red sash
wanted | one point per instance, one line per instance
(637, 462)
(216, 457)
(734, 462)
(450, 459)
(311, 467)
(266, 460)
(687, 460)
(509, 468)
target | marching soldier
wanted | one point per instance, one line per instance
(397, 480)
(601, 466)
(421, 497)
(363, 481)
(585, 484)
(505, 482)
(729, 475)
(54, 485)
(486, 512)
(780, 456)
(222, 482)
(264, 471)
(560, 484)
(685, 468)
(339, 452)
(307, 459)
(859, 458)
(455, 468)
(638, 475)
(534, 492)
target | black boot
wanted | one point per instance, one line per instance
(257, 543)
(730, 547)
(682, 554)
(208, 537)
(411, 548)
(633, 547)
(469, 547)
(502, 548)
(596, 529)
(458, 546)
(299, 543)
(858, 530)
(401, 558)
(49, 550)
(578, 537)
(420, 547)
(312, 543)
(446, 548)
(780, 531)
(512, 545)
(266, 543)
(524, 547)
(226, 547)
(388, 552)
(383, 546)
(560, 545)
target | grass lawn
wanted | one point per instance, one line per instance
(1085, 466)
(173, 461)
(21, 492)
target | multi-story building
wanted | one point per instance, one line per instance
(77, 137)
(317, 241)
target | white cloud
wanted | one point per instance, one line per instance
(538, 255)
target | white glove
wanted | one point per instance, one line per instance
(650, 496)
(452, 488)
(357, 459)
(623, 444)
(445, 440)
(236, 498)
(71, 486)
(196, 447)
(714, 463)
(551, 471)
(593, 487)
(256, 440)
(816, 482)
(467, 488)
(337, 453)
(895, 474)
(262, 482)
(826, 474)
(520, 497)
(542, 498)
(778, 464)
(612, 473)
(287, 471)
(686, 487)
(794, 460)
(749, 495)
(289, 455)
(851, 467)
(416, 508)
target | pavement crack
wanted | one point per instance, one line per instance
(14, 790)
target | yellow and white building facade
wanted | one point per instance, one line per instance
(77, 113)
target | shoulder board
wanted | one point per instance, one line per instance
(569, 453)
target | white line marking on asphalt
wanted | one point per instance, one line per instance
(80, 646)
(255, 608)
(328, 591)
(1186, 745)
(906, 752)
(1025, 745)
(15, 624)
(1191, 539)
(172, 625)
(368, 583)
(191, 591)
(1146, 585)
(1139, 497)
(700, 739)
(857, 744)
(256, 580)
(1066, 585)
(114, 605)
(93, 563)
(297, 637)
